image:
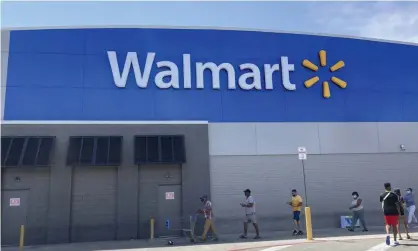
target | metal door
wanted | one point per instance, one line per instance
(93, 205)
(13, 215)
(169, 210)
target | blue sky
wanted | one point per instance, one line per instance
(383, 20)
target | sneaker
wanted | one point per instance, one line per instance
(396, 244)
(295, 232)
(408, 237)
(400, 238)
(388, 240)
(365, 230)
(257, 237)
(300, 232)
(351, 230)
(243, 236)
(215, 239)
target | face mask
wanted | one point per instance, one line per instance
(355, 196)
(408, 191)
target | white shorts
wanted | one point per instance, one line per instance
(250, 218)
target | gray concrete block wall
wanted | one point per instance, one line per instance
(342, 157)
(330, 181)
(319, 138)
(194, 176)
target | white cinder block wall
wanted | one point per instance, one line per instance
(342, 158)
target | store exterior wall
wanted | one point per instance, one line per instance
(342, 158)
(51, 223)
(5, 38)
(256, 110)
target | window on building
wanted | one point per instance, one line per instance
(95, 151)
(26, 151)
(159, 149)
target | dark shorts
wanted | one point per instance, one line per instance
(296, 215)
(391, 220)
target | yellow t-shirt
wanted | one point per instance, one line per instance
(295, 202)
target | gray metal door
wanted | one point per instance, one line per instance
(169, 210)
(13, 215)
(93, 207)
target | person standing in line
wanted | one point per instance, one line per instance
(250, 216)
(208, 212)
(402, 218)
(390, 206)
(296, 203)
(358, 212)
(410, 205)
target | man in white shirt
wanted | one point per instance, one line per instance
(250, 216)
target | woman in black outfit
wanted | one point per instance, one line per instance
(402, 214)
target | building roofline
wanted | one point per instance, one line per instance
(205, 28)
(102, 122)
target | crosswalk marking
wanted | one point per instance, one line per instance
(276, 248)
(380, 247)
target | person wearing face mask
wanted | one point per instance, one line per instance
(296, 204)
(207, 211)
(397, 191)
(410, 205)
(358, 212)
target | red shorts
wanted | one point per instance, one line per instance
(391, 220)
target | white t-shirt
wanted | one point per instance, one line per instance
(250, 210)
(208, 210)
(354, 202)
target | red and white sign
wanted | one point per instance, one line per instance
(14, 202)
(169, 195)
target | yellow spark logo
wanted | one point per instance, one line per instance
(325, 87)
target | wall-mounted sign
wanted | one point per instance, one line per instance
(302, 154)
(248, 79)
(250, 76)
(169, 195)
(301, 149)
(14, 202)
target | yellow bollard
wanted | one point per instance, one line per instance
(152, 229)
(22, 237)
(308, 223)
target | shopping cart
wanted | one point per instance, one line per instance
(189, 232)
(190, 222)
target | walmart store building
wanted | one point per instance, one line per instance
(104, 128)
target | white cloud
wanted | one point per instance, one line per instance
(383, 20)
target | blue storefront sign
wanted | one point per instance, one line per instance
(210, 75)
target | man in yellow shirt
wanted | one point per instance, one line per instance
(296, 204)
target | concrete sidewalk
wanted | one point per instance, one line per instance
(225, 238)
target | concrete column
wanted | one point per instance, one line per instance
(127, 207)
(60, 194)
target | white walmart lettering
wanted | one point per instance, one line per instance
(250, 79)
